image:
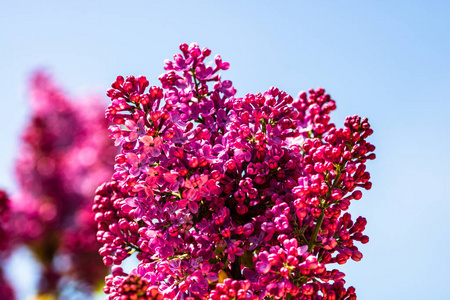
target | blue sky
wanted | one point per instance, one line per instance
(385, 60)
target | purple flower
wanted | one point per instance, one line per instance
(242, 152)
(194, 187)
(139, 205)
(152, 145)
(262, 266)
(137, 130)
(138, 162)
(233, 249)
(203, 73)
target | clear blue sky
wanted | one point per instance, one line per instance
(386, 60)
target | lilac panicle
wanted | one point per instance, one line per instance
(228, 197)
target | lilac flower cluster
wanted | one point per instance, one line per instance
(224, 197)
(63, 158)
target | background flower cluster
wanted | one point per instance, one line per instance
(64, 156)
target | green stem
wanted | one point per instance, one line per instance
(312, 241)
(196, 84)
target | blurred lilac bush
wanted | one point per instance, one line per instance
(64, 155)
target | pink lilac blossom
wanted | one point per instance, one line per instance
(228, 197)
(63, 158)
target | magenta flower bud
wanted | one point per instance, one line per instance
(320, 269)
(104, 251)
(218, 60)
(299, 204)
(193, 162)
(371, 156)
(356, 255)
(173, 231)
(239, 230)
(226, 233)
(344, 204)
(273, 164)
(248, 229)
(292, 260)
(281, 238)
(228, 187)
(344, 235)
(260, 155)
(349, 183)
(123, 224)
(242, 209)
(133, 227)
(117, 271)
(99, 217)
(206, 52)
(216, 237)
(314, 109)
(182, 171)
(119, 120)
(357, 195)
(108, 261)
(259, 179)
(216, 175)
(108, 237)
(231, 165)
(227, 283)
(341, 258)
(281, 175)
(268, 227)
(194, 50)
(307, 289)
(239, 196)
(368, 185)
(347, 155)
(316, 211)
(364, 239)
(144, 246)
(120, 159)
(184, 48)
(331, 295)
(314, 201)
(273, 259)
(328, 166)
(315, 188)
(114, 228)
(309, 169)
(284, 272)
(252, 193)
(329, 243)
(241, 294)
(319, 167)
(336, 194)
(323, 189)
(301, 214)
